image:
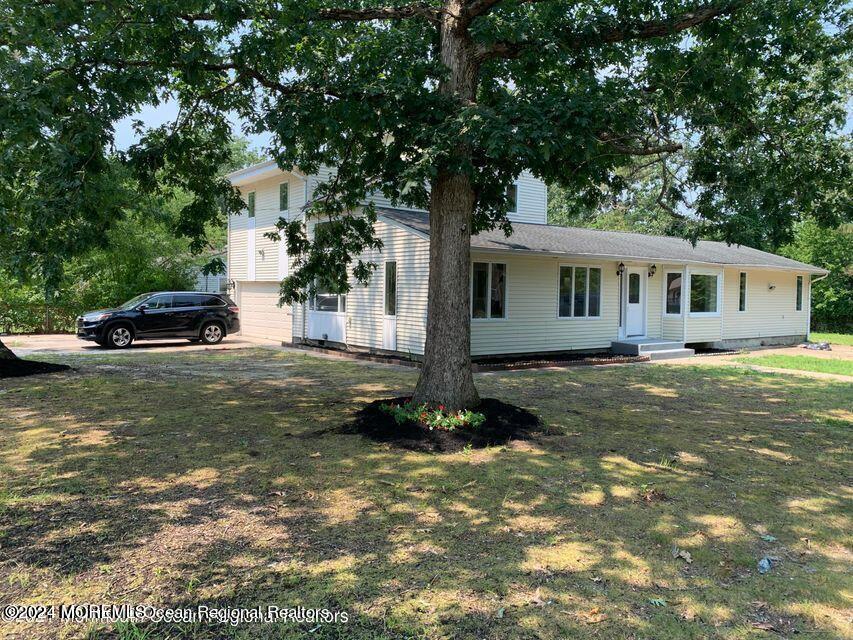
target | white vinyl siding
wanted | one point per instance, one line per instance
(366, 304)
(770, 312)
(532, 323)
(532, 200)
(268, 255)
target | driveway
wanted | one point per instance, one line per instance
(24, 345)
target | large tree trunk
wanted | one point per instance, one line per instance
(446, 376)
(6, 352)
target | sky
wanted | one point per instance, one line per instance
(166, 112)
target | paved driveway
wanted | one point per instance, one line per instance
(63, 343)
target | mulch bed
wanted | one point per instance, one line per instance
(16, 368)
(504, 422)
(565, 359)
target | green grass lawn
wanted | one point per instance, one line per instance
(802, 363)
(833, 338)
(222, 478)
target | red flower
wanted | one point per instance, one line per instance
(441, 407)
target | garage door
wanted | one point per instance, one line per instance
(260, 315)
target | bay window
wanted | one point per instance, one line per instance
(673, 293)
(704, 293)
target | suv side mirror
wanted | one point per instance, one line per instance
(142, 307)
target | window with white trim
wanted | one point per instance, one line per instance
(391, 288)
(283, 196)
(741, 301)
(704, 293)
(250, 204)
(512, 196)
(580, 292)
(799, 293)
(673, 293)
(488, 290)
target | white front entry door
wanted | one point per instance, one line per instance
(635, 303)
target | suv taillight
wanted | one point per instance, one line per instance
(234, 309)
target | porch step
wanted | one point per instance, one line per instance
(666, 354)
(643, 346)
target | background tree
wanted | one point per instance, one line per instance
(460, 94)
(832, 249)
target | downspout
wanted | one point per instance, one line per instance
(304, 221)
(685, 303)
(722, 299)
(809, 316)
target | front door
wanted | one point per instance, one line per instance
(635, 304)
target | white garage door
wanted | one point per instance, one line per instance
(260, 315)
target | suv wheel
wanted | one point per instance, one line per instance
(212, 333)
(119, 337)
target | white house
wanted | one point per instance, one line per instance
(543, 289)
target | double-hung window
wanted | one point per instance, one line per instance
(799, 293)
(488, 290)
(580, 292)
(704, 293)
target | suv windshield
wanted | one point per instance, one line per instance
(134, 301)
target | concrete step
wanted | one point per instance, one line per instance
(660, 346)
(667, 354)
(643, 347)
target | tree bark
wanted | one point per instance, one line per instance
(6, 352)
(446, 377)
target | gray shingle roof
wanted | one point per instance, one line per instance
(617, 245)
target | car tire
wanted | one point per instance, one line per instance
(119, 337)
(211, 333)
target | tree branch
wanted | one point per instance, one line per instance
(645, 150)
(604, 31)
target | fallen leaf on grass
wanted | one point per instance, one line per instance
(657, 602)
(593, 616)
(682, 553)
(316, 454)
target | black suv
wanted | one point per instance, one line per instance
(205, 317)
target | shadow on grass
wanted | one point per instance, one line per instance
(143, 484)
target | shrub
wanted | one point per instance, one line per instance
(436, 417)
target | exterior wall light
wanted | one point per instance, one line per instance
(652, 270)
(620, 269)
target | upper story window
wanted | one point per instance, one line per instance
(250, 204)
(283, 196)
(673, 293)
(512, 197)
(799, 293)
(741, 302)
(580, 292)
(704, 292)
(488, 290)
